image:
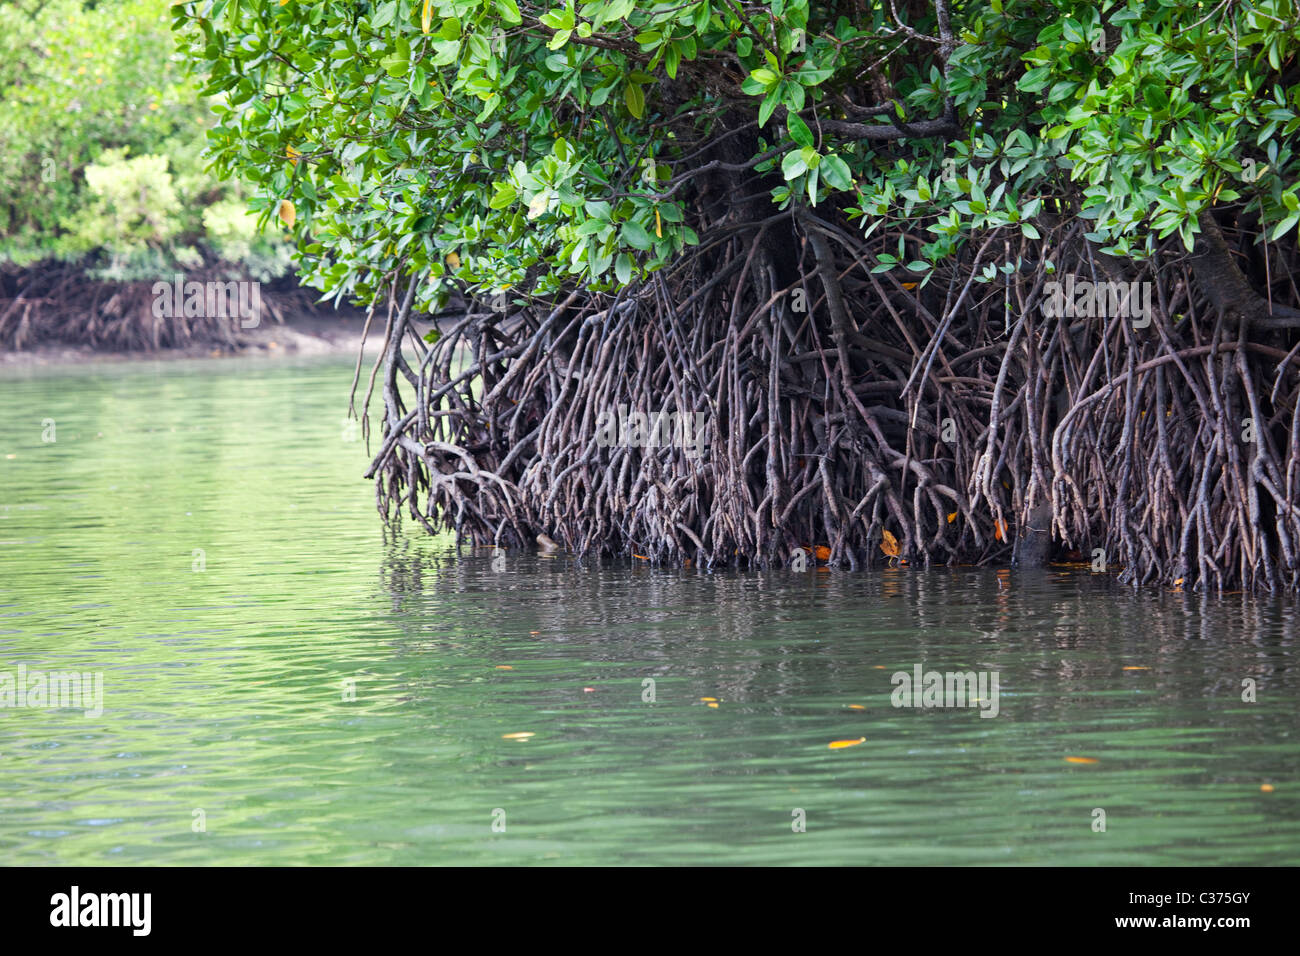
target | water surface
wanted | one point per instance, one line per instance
(286, 682)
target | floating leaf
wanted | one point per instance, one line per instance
(823, 553)
(712, 705)
(503, 667)
(521, 735)
(1265, 788)
(1137, 668)
(841, 744)
(889, 544)
(1081, 760)
(708, 699)
(857, 707)
(288, 215)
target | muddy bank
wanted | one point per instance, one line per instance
(297, 336)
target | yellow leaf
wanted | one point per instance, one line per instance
(287, 213)
(537, 205)
(453, 260)
(952, 517)
(709, 700)
(659, 226)
(522, 735)
(999, 530)
(1137, 668)
(503, 667)
(857, 707)
(889, 544)
(823, 553)
(909, 286)
(426, 16)
(1081, 760)
(713, 705)
(1265, 788)
(841, 744)
(292, 154)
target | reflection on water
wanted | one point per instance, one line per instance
(323, 691)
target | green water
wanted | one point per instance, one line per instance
(224, 688)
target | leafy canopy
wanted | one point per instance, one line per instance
(504, 145)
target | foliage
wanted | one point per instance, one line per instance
(509, 145)
(101, 139)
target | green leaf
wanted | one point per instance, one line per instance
(836, 172)
(799, 131)
(636, 236)
(634, 97)
(509, 11)
(793, 165)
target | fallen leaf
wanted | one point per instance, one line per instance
(1081, 760)
(1265, 788)
(841, 744)
(589, 690)
(1137, 668)
(522, 735)
(857, 707)
(707, 699)
(889, 544)
(952, 517)
(711, 705)
(503, 667)
(288, 215)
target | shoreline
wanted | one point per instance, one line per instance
(301, 335)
